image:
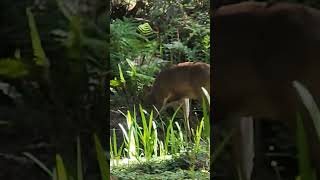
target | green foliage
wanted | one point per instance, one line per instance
(305, 170)
(146, 30)
(172, 31)
(129, 84)
(18, 69)
(130, 137)
(221, 147)
(183, 22)
(12, 68)
(39, 54)
(125, 42)
(115, 153)
(171, 139)
(60, 172)
(60, 97)
(142, 142)
(310, 104)
(39, 163)
(149, 136)
(171, 168)
(74, 40)
(168, 33)
(197, 136)
(104, 166)
(135, 54)
(177, 49)
(67, 91)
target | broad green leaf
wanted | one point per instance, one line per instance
(38, 162)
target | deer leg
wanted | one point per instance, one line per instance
(243, 147)
(233, 125)
(247, 147)
(168, 101)
(186, 113)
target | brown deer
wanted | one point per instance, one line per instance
(180, 81)
(258, 50)
(177, 83)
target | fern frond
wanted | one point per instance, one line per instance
(146, 30)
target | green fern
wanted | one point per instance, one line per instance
(146, 30)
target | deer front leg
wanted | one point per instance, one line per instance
(186, 113)
(243, 147)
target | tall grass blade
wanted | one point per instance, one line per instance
(221, 147)
(40, 56)
(61, 171)
(131, 136)
(206, 94)
(198, 135)
(54, 177)
(170, 134)
(155, 138)
(122, 79)
(102, 160)
(124, 132)
(310, 104)
(114, 142)
(38, 162)
(306, 172)
(79, 161)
